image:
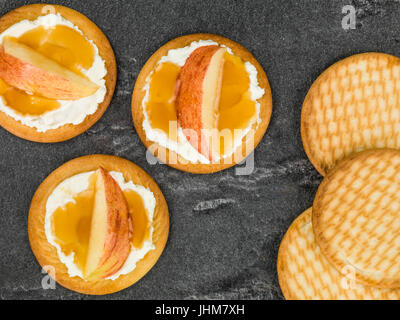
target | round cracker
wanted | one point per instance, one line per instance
(47, 255)
(92, 32)
(139, 93)
(356, 216)
(305, 274)
(354, 105)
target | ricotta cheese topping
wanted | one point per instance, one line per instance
(65, 193)
(69, 112)
(182, 146)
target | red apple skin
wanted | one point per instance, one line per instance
(28, 77)
(189, 101)
(116, 246)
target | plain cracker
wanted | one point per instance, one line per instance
(305, 274)
(356, 216)
(354, 105)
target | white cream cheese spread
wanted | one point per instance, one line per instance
(69, 112)
(65, 193)
(182, 146)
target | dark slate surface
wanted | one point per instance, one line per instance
(225, 229)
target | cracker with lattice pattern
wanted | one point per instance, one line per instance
(305, 274)
(353, 106)
(356, 216)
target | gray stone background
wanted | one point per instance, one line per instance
(225, 229)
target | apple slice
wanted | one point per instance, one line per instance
(198, 96)
(110, 233)
(28, 70)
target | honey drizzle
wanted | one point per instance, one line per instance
(71, 223)
(235, 111)
(62, 44)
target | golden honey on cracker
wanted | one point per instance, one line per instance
(305, 274)
(98, 224)
(356, 217)
(354, 105)
(201, 103)
(57, 73)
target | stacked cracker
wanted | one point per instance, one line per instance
(347, 246)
